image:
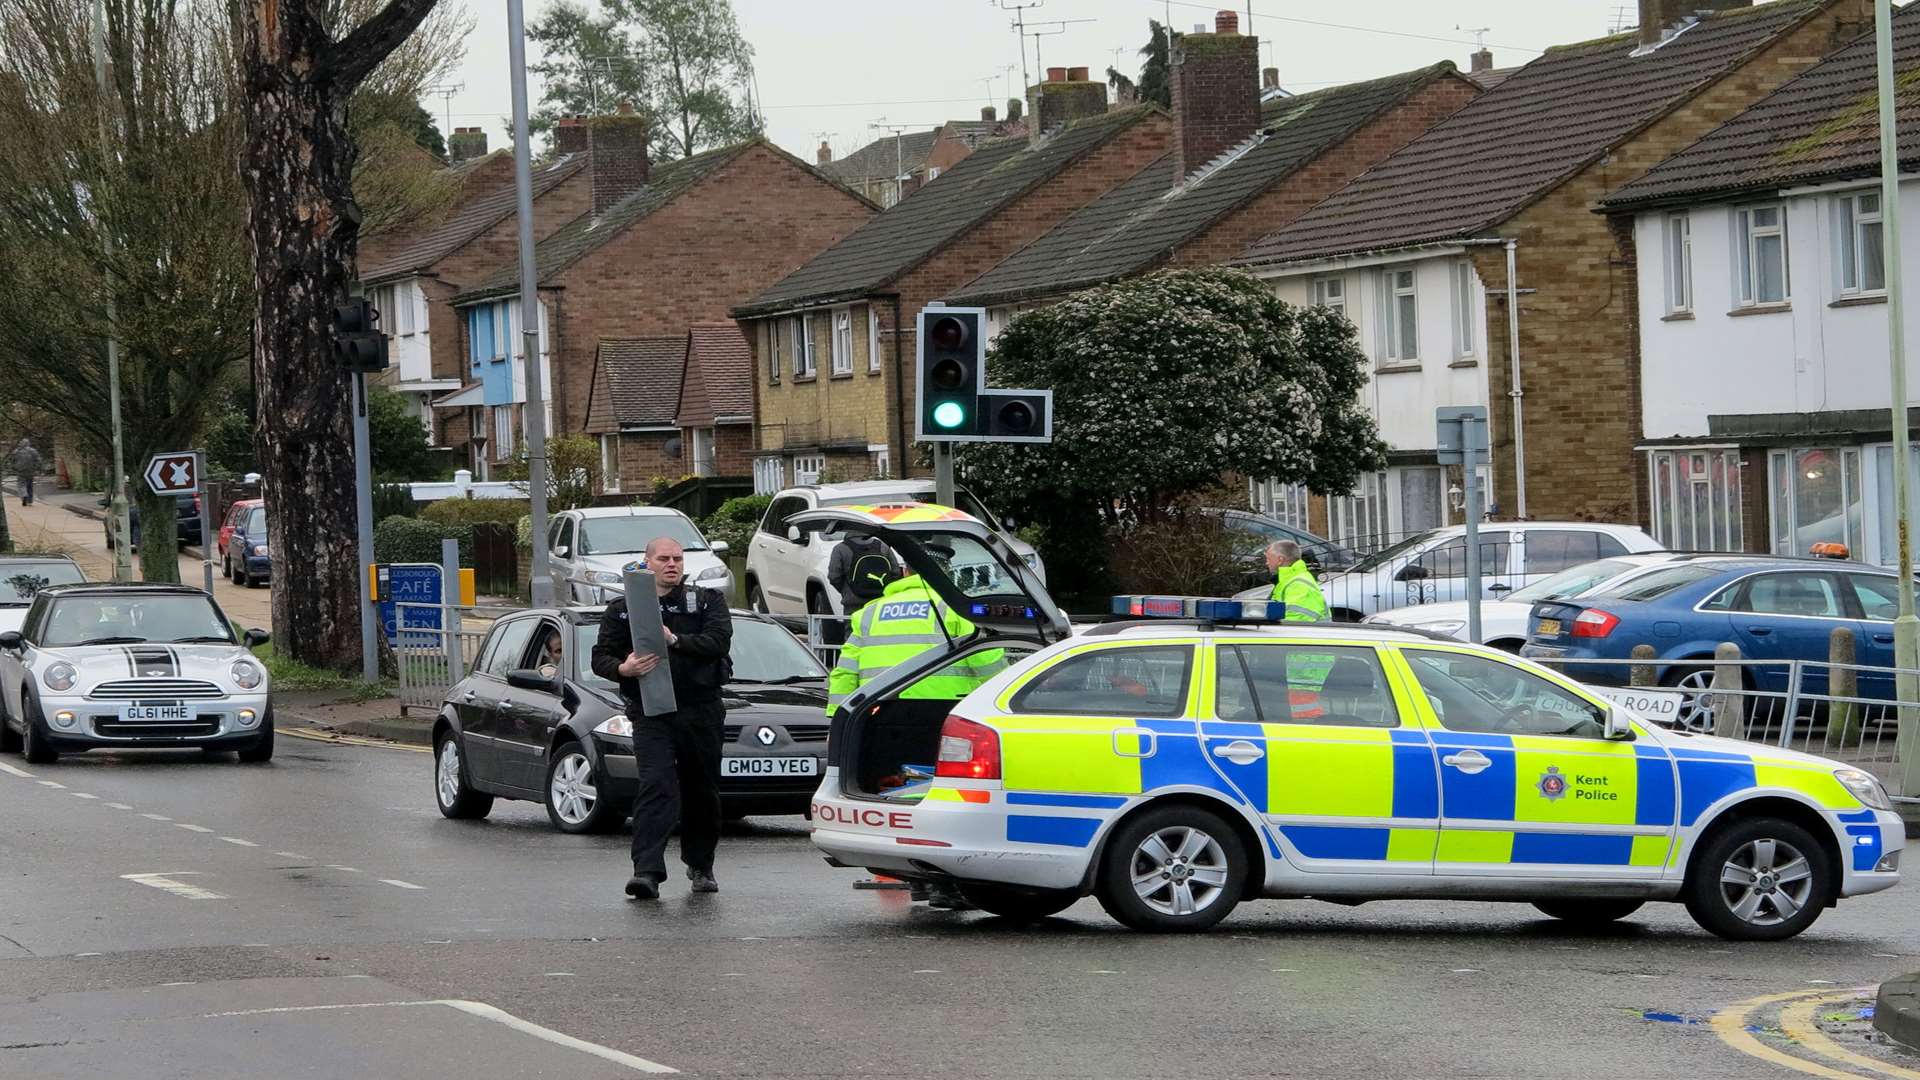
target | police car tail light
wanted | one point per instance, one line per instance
(968, 750)
(1594, 623)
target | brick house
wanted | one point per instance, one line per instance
(893, 167)
(833, 342)
(1416, 251)
(1762, 317)
(668, 407)
(663, 247)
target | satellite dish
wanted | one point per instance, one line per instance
(671, 447)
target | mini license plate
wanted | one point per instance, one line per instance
(157, 712)
(1549, 627)
(769, 766)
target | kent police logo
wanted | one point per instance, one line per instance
(912, 609)
(1552, 785)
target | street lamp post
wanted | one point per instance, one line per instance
(542, 583)
(117, 485)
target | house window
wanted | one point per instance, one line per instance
(400, 298)
(1360, 519)
(873, 341)
(610, 464)
(505, 432)
(843, 341)
(933, 173)
(1814, 498)
(1863, 267)
(1679, 259)
(1463, 310)
(803, 360)
(889, 194)
(769, 475)
(882, 460)
(502, 318)
(808, 467)
(1285, 503)
(1330, 292)
(1761, 233)
(1422, 490)
(775, 330)
(1400, 313)
(1697, 499)
(703, 459)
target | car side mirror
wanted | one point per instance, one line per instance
(720, 547)
(1413, 572)
(532, 679)
(1618, 728)
(560, 552)
(253, 637)
(11, 640)
(793, 533)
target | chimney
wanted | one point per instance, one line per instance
(570, 135)
(1659, 18)
(1216, 92)
(1069, 94)
(618, 146)
(1480, 62)
(823, 155)
(988, 115)
(466, 144)
(1016, 108)
(1269, 78)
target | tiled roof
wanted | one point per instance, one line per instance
(1144, 220)
(1822, 125)
(907, 233)
(636, 383)
(881, 159)
(1516, 142)
(719, 379)
(468, 220)
(586, 233)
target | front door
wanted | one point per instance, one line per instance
(524, 720)
(1316, 738)
(477, 700)
(1529, 786)
(1877, 600)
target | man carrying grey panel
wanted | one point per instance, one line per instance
(677, 754)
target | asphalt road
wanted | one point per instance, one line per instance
(163, 916)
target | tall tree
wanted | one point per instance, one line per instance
(588, 63)
(300, 62)
(1156, 65)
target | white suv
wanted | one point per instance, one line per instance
(787, 564)
(587, 550)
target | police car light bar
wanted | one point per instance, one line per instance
(1199, 607)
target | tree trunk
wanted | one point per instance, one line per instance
(159, 534)
(304, 228)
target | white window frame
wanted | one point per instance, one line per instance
(873, 341)
(1746, 262)
(805, 364)
(506, 433)
(775, 327)
(1285, 503)
(843, 341)
(881, 456)
(701, 451)
(1677, 246)
(1361, 517)
(610, 463)
(807, 468)
(1330, 292)
(402, 298)
(1464, 338)
(1393, 351)
(1786, 518)
(1850, 222)
(933, 173)
(769, 475)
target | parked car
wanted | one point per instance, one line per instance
(246, 557)
(107, 664)
(1431, 567)
(23, 576)
(1774, 607)
(186, 521)
(1503, 623)
(787, 562)
(588, 549)
(234, 514)
(1254, 533)
(524, 725)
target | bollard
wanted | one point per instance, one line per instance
(1642, 674)
(1844, 720)
(1726, 684)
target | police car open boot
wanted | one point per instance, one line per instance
(896, 745)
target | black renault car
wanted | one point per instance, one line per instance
(532, 721)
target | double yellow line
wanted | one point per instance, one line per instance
(1797, 1022)
(352, 740)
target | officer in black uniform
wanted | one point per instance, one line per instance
(677, 753)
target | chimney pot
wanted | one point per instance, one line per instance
(1078, 74)
(1481, 61)
(1270, 78)
(988, 114)
(824, 154)
(1226, 22)
(626, 108)
(618, 161)
(1056, 74)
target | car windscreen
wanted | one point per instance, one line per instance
(1659, 583)
(19, 581)
(629, 535)
(1572, 581)
(256, 521)
(762, 652)
(171, 618)
(1387, 554)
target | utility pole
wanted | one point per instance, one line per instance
(445, 94)
(117, 486)
(536, 416)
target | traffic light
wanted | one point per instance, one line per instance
(358, 344)
(1016, 415)
(952, 372)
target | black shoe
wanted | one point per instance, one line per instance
(642, 888)
(703, 881)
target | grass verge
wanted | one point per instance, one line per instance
(295, 677)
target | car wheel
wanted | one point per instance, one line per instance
(1696, 707)
(817, 603)
(1175, 869)
(226, 568)
(1589, 912)
(1015, 903)
(9, 738)
(452, 789)
(241, 577)
(1759, 879)
(261, 749)
(756, 599)
(574, 804)
(33, 739)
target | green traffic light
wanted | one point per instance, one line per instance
(949, 415)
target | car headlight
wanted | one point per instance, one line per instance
(1865, 788)
(711, 573)
(604, 577)
(1449, 627)
(619, 725)
(260, 549)
(246, 674)
(59, 676)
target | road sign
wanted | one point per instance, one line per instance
(174, 473)
(410, 584)
(1462, 429)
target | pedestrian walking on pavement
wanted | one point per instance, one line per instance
(26, 466)
(677, 754)
(1294, 584)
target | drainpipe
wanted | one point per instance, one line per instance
(1516, 393)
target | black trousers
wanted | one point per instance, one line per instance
(678, 760)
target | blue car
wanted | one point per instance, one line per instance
(249, 561)
(1773, 607)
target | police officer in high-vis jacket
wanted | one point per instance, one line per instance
(905, 621)
(1293, 584)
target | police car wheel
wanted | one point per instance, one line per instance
(1172, 869)
(1015, 903)
(1589, 912)
(1761, 879)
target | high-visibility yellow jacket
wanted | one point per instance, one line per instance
(1295, 587)
(905, 621)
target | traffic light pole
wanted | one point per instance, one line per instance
(943, 473)
(536, 420)
(363, 514)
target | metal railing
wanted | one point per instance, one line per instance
(432, 653)
(1436, 575)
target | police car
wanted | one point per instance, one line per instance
(1198, 753)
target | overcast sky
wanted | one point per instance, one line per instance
(833, 68)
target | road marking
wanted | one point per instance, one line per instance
(191, 828)
(1797, 1021)
(171, 884)
(156, 817)
(240, 842)
(82, 795)
(11, 771)
(291, 855)
(346, 869)
(398, 884)
(1731, 1022)
(79, 954)
(53, 784)
(349, 740)
(119, 806)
